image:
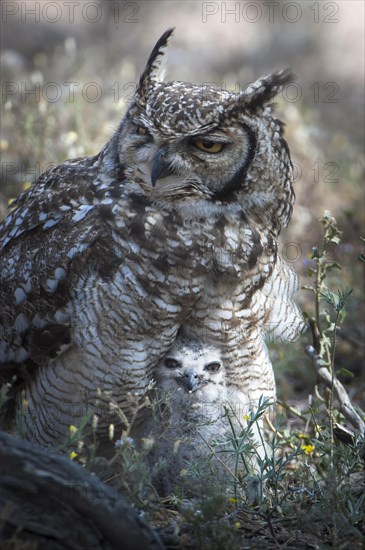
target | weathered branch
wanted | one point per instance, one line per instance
(339, 391)
(51, 502)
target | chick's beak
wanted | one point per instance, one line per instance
(193, 381)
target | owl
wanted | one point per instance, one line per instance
(195, 421)
(171, 227)
(193, 369)
(190, 383)
(190, 393)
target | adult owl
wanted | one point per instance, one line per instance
(173, 225)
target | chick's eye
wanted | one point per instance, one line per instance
(172, 363)
(208, 146)
(213, 367)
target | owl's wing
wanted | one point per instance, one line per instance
(57, 231)
(283, 319)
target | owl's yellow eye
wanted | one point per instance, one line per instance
(208, 146)
(142, 131)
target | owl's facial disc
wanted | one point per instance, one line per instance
(201, 160)
(205, 160)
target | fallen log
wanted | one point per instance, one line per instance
(49, 502)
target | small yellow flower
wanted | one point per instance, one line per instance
(246, 417)
(72, 455)
(73, 429)
(308, 449)
(301, 435)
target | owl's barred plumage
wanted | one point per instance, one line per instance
(172, 226)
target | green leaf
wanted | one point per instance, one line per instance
(333, 265)
(342, 297)
(345, 372)
(342, 316)
(322, 362)
(330, 297)
(337, 301)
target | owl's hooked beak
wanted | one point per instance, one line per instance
(160, 167)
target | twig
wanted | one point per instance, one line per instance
(318, 395)
(272, 427)
(344, 401)
(292, 410)
(219, 460)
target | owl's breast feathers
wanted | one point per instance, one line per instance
(82, 223)
(77, 222)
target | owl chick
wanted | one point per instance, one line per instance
(191, 392)
(191, 417)
(192, 368)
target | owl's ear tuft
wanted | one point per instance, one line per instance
(155, 68)
(261, 92)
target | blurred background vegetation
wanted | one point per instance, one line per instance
(69, 72)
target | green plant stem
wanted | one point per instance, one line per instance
(318, 286)
(332, 366)
(324, 349)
